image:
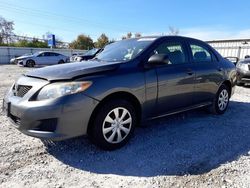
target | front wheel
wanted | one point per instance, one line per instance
(113, 125)
(30, 63)
(221, 100)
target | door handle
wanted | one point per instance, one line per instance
(190, 72)
(220, 69)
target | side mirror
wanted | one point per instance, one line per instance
(158, 59)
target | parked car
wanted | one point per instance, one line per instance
(15, 60)
(233, 59)
(88, 55)
(128, 83)
(42, 58)
(243, 72)
(74, 56)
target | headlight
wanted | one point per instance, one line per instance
(242, 66)
(56, 90)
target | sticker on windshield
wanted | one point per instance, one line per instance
(146, 39)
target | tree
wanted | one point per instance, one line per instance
(112, 41)
(34, 43)
(137, 35)
(129, 35)
(173, 31)
(82, 42)
(102, 41)
(6, 30)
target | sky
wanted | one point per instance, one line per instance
(202, 19)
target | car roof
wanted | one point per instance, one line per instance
(50, 52)
(167, 37)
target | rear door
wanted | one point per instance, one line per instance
(176, 79)
(209, 72)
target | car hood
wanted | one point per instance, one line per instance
(24, 57)
(71, 70)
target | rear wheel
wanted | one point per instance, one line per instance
(113, 125)
(221, 100)
(61, 62)
(30, 63)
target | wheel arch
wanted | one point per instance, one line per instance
(30, 60)
(229, 85)
(118, 95)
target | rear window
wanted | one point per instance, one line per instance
(200, 54)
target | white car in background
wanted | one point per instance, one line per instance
(42, 58)
(75, 55)
(15, 59)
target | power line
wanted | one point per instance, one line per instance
(49, 26)
(27, 38)
(25, 10)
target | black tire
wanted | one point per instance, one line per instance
(99, 125)
(239, 83)
(217, 107)
(61, 62)
(30, 63)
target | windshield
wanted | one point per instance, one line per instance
(27, 54)
(124, 50)
(91, 52)
(37, 53)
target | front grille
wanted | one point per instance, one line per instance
(21, 90)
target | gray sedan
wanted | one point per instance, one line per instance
(129, 82)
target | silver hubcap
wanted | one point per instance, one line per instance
(117, 125)
(223, 99)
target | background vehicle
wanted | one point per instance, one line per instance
(234, 60)
(42, 58)
(15, 60)
(243, 72)
(130, 81)
(88, 55)
(74, 56)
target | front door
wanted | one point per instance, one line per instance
(176, 79)
(43, 59)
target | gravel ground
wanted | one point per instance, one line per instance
(192, 149)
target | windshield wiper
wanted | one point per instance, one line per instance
(96, 59)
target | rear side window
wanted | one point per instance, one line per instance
(56, 54)
(46, 54)
(174, 51)
(200, 54)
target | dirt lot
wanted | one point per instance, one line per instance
(192, 149)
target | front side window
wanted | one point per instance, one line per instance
(174, 51)
(200, 54)
(40, 55)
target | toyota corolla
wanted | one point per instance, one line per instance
(129, 82)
